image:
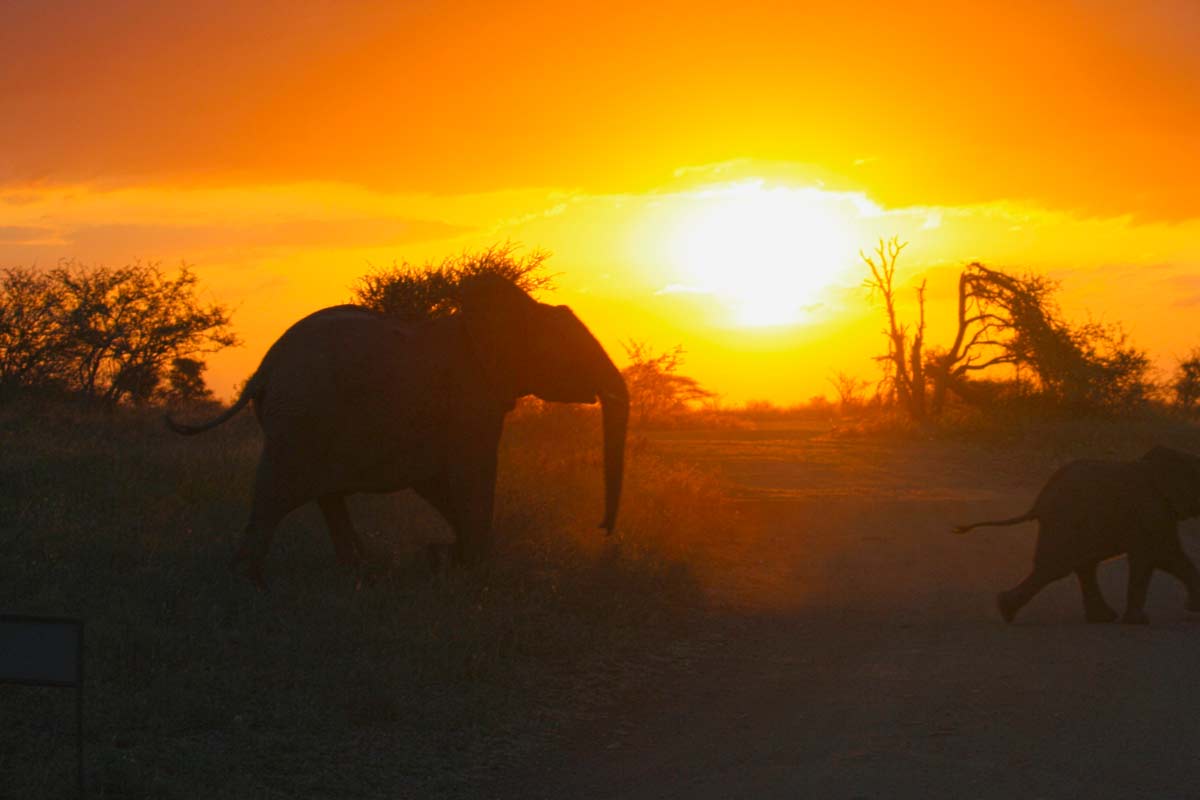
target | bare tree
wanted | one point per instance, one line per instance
(905, 357)
(849, 390)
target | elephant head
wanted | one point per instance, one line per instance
(525, 347)
(1176, 475)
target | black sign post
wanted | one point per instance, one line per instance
(45, 651)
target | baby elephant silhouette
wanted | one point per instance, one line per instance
(1091, 510)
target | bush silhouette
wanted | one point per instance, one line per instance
(110, 334)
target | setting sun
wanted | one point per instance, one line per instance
(764, 252)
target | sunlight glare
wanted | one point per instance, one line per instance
(766, 252)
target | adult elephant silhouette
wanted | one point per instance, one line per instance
(351, 400)
(1091, 510)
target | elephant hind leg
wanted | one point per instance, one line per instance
(1095, 608)
(273, 500)
(1013, 600)
(252, 551)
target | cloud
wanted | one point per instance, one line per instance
(1182, 291)
(167, 241)
(28, 235)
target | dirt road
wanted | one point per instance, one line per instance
(854, 650)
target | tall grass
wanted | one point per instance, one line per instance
(200, 686)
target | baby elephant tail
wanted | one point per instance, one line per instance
(1028, 515)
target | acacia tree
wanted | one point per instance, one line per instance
(1185, 384)
(185, 382)
(126, 326)
(434, 290)
(1004, 319)
(656, 389)
(104, 333)
(991, 305)
(32, 347)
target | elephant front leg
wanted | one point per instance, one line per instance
(1176, 563)
(1095, 608)
(346, 544)
(468, 507)
(1140, 570)
(473, 509)
(465, 490)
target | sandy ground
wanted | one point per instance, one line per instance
(854, 651)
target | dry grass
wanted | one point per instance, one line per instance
(199, 686)
(1052, 433)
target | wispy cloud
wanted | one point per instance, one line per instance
(300, 233)
(28, 235)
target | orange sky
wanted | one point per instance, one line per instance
(667, 157)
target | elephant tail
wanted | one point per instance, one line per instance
(1026, 517)
(248, 394)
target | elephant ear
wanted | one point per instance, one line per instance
(1176, 475)
(498, 318)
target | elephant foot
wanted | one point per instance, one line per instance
(1101, 615)
(350, 561)
(1007, 606)
(1135, 616)
(249, 568)
(438, 557)
(371, 570)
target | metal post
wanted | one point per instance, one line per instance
(79, 715)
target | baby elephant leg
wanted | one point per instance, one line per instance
(1095, 608)
(1175, 562)
(1013, 600)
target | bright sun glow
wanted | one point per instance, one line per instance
(767, 252)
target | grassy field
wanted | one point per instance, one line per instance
(806, 556)
(200, 686)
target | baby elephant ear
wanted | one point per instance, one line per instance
(1176, 476)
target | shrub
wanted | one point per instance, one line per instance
(433, 290)
(111, 334)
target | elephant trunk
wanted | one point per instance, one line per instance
(614, 405)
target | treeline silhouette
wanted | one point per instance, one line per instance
(137, 335)
(132, 334)
(1013, 321)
